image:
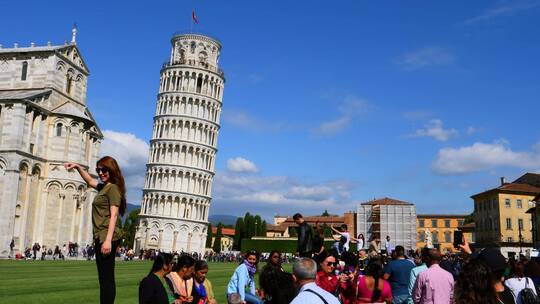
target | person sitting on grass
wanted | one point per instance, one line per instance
(154, 289)
(277, 286)
(243, 278)
(202, 288)
(181, 277)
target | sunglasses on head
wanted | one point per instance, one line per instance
(102, 170)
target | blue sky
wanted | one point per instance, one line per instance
(325, 105)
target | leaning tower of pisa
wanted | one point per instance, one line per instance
(180, 170)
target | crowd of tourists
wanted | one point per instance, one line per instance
(339, 275)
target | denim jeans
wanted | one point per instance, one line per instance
(249, 298)
(401, 299)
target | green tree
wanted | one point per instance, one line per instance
(263, 229)
(325, 213)
(327, 230)
(217, 241)
(258, 225)
(209, 236)
(293, 231)
(238, 233)
(129, 227)
(469, 219)
(249, 222)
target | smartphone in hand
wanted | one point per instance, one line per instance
(458, 238)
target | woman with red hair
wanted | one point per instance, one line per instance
(108, 203)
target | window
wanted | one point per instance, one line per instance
(510, 239)
(508, 224)
(435, 237)
(421, 223)
(447, 223)
(59, 129)
(519, 204)
(447, 238)
(460, 223)
(520, 224)
(421, 236)
(69, 81)
(433, 223)
(24, 70)
(507, 203)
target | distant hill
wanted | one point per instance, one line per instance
(129, 208)
(214, 219)
(223, 218)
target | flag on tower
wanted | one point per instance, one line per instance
(194, 17)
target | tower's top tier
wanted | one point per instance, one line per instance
(195, 50)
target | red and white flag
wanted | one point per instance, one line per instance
(194, 17)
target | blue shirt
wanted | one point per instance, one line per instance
(239, 281)
(306, 297)
(399, 271)
(412, 279)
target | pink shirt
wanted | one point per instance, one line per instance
(364, 294)
(433, 286)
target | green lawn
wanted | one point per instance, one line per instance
(57, 282)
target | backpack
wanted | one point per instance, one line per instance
(527, 295)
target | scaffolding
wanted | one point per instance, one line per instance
(398, 221)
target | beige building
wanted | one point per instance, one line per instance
(283, 224)
(227, 238)
(44, 122)
(440, 227)
(501, 216)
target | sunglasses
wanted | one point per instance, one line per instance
(275, 257)
(331, 264)
(102, 170)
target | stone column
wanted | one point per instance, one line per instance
(147, 237)
(175, 237)
(160, 237)
(74, 215)
(60, 215)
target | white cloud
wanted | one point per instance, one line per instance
(426, 57)
(351, 108)
(436, 130)
(245, 121)
(234, 193)
(240, 164)
(484, 156)
(131, 153)
(317, 193)
(503, 9)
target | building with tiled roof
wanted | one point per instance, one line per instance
(284, 224)
(501, 216)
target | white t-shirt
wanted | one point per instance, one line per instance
(348, 237)
(517, 285)
(360, 244)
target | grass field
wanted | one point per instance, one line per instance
(26, 282)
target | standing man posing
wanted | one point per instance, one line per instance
(305, 237)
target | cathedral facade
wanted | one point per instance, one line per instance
(44, 122)
(180, 170)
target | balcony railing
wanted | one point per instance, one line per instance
(194, 63)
